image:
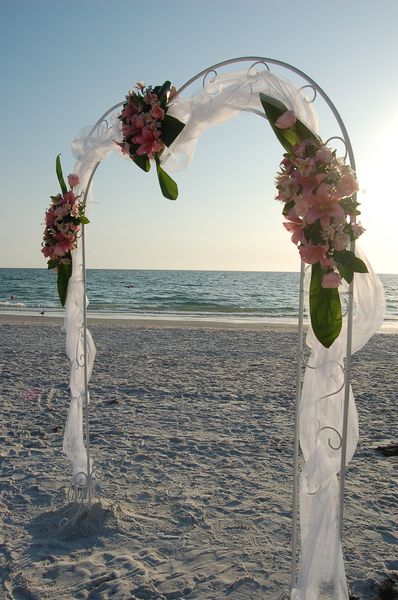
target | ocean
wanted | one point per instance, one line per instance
(156, 294)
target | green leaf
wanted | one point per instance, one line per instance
(171, 128)
(359, 266)
(287, 207)
(84, 220)
(304, 133)
(142, 161)
(348, 259)
(288, 137)
(52, 264)
(325, 309)
(345, 271)
(167, 184)
(58, 169)
(64, 274)
(350, 205)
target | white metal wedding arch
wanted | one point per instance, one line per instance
(325, 415)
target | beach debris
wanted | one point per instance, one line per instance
(387, 589)
(388, 450)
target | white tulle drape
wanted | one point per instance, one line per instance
(221, 99)
(89, 150)
(321, 569)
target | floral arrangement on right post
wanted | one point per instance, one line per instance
(318, 191)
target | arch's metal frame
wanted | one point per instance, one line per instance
(258, 60)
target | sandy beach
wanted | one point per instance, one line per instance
(192, 440)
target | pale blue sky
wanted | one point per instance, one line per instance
(64, 62)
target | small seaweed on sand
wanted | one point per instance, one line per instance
(389, 450)
(388, 590)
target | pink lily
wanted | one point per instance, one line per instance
(313, 254)
(324, 205)
(295, 226)
(148, 140)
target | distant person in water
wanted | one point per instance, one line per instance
(12, 298)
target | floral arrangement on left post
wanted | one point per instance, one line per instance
(63, 221)
(148, 130)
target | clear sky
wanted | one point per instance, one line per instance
(64, 62)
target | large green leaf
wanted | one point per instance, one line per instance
(288, 137)
(64, 274)
(359, 266)
(167, 184)
(345, 271)
(171, 128)
(325, 309)
(60, 176)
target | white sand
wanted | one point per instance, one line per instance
(191, 434)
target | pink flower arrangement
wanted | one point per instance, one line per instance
(63, 221)
(142, 117)
(148, 129)
(317, 190)
(62, 225)
(142, 120)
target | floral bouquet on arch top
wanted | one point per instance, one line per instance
(318, 191)
(148, 130)
(63, 221)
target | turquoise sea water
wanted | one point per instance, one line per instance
(230, 295)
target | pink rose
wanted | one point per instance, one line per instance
(347, 185)
(325, 155)
(287, 120)
(340, 240)
(331, 280)
(73, 180)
